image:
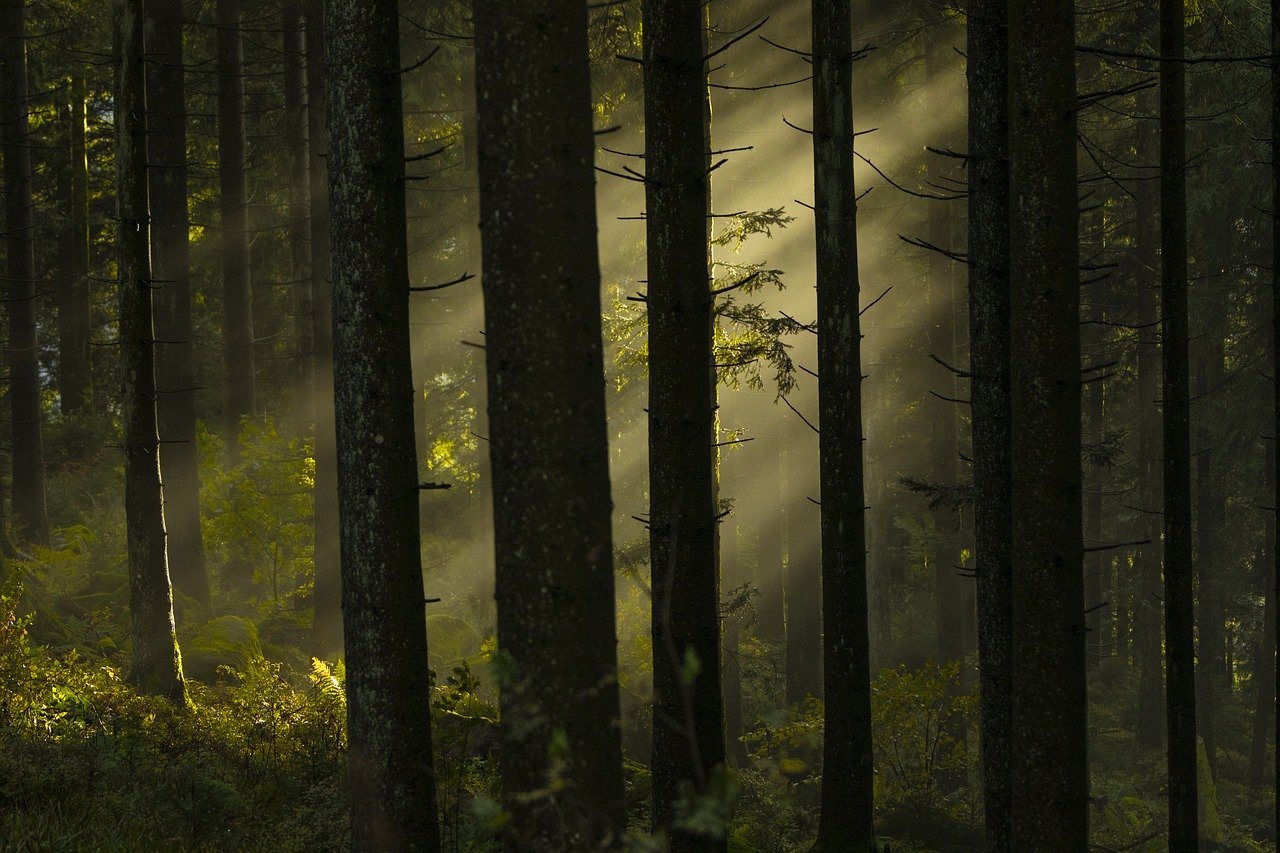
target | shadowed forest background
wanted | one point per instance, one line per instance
(111, 739)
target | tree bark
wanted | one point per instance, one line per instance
(1147, 624)
(688, 717)
(75, 379)
(328, 597)
(1264, 674)
(1274, 467)
(847, 777)
(989, 335)
(157, 663)
(294, 50)
(553, 544)
(31, 522)
(171, 259)
(1049, 745)
(237, 294)
(389, 766)
(1179, 596)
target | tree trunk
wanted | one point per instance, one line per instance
(1049, 745)
(688, 716)
(294, 49)
(1179, 596)
(803, 577)
(75, 380)
(1096, 561)
(157, 663)
(771, 623)
(1147, 624)
(1210, 518)
(328, 595)
(989, 338)
(553, 544)
(237, 295)
(31, 523)
(1274, 467)
(1264, 674)
(389, 765)
(175, 366)
(846, 820)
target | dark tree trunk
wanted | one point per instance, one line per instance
(803, 577)
(948, 585)
(770, 608)
(237, 295)
(1264, 674)
(1210, 517)
(328, 595)
(553, 544)
(1179, 596)
(294, 49)
(846, 820)
(688, 716)
(389, 759)
(157, 663)
(1275, 363)
(170, 253)
(1096, 561)
(988, 73)
(1049, 746)
(31, 523)
(1147, 624)
(75, 380)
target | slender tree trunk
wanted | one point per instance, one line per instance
(1096, 561)
(988, 73)
(31, 522)
(1147, 624)
(328, 596)
(1210, 513)
(948, 585)
(1049, 745)
(731, 668)
(175, 364)
(294, 49)
(688, 715)
(846, 821)
(1264, 674)
(770, 608)
(803, 577)
(75, 378)
(72, 285)
(1274, 467)
(1179, 597)
(389, 759)
(237, 294)
(553, 544)
(157, 663)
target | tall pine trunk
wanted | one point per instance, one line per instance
(31, 522)
(688, 717)
(237, 295)
(847, 778)
(157, 663)
(547, 425)
(75, 380)
(989, 337)
(1147, 624)
(1274, 467)
(1049, 746)
(171, 261)
(389, 759)
(294, 50)
(328, 596)
(1179, 596)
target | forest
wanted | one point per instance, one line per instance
(646, 425)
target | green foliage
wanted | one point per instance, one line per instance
(261, 509)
